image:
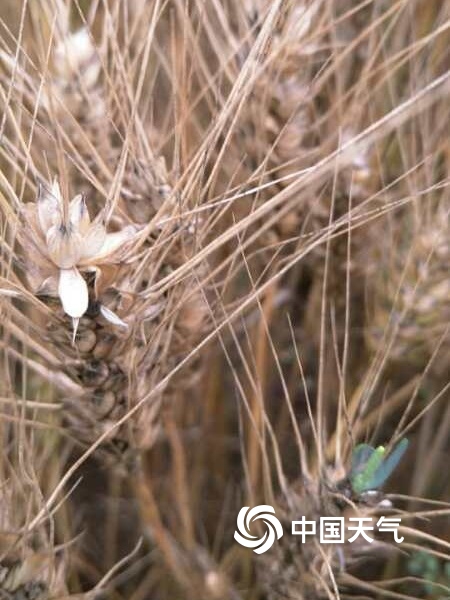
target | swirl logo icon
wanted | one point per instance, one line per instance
(273, 532)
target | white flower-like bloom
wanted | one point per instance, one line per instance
(73, 243)
(76, 55)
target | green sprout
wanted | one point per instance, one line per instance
(370, 469)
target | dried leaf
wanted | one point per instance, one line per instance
(49, 287)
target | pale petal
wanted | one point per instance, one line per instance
(49, 206)
(111, 316)
(79, 214)
(77, 46)
(64, 247)
(93, 241)
(73, 292)
(77, 56)
(91, 73)
(56, 191)
(115, 241)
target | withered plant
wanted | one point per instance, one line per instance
(224, 254)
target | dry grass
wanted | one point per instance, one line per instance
(254, 281)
